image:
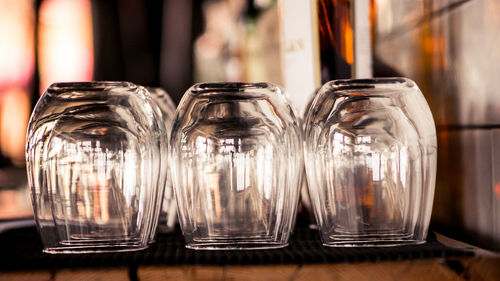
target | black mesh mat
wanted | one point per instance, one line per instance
(21, 249)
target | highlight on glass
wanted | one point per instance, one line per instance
(370, 157)
(236, 154)
(93, 162)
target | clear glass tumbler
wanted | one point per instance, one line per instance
(93, 161)
(370, 150)
(236, 159)
(166, 207)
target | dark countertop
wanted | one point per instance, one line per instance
(21, 258)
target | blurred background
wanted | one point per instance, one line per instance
(169, 44)
(451, 48)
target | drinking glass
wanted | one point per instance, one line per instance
(236, 159)
(93, 161)
(370, 150)
(166, 218)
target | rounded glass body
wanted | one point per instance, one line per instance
(236, 160)
(370, 150)
(93, 161)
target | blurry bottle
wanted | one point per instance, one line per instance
(240, 42)
(260, 45)
(323, 40)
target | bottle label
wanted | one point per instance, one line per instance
(299, 49)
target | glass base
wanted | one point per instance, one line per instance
(229, 244)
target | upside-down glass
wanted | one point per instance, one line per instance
(370, 150)
(236, 159)
(93, 161)
(166, 206)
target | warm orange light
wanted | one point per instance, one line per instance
(66, 49)
(16, 42)
(497, 191)
(348, 49)
(335, 22)
(14, 114)
(16, 71)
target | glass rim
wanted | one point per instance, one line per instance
(388, 84)
(207, 89)
(59, 87)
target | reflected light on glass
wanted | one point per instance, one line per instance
(65, 46)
